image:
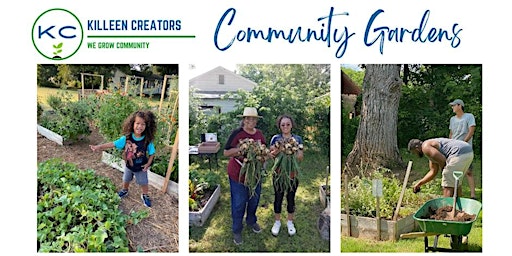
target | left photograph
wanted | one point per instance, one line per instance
(107, 164)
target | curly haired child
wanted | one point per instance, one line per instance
(139, 128)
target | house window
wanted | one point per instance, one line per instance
(221, 79)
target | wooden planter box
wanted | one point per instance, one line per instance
(55, 137)
(155, 180)
(365, 227)
(199, 218)
(324, 199)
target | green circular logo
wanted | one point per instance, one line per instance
(57, 34)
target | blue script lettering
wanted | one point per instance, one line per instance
(325, 33)
(419, 34)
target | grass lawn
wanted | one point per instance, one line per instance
(44, 92)
(419, 168)
(216, 234)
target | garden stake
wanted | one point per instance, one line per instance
(171, 161)
(404, 186)
(377, 208)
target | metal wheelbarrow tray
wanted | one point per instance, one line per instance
(462, 228)
(454, 229)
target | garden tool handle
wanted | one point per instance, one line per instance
(456, 175)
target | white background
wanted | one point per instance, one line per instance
(484, 41)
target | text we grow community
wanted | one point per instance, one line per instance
(327, 29)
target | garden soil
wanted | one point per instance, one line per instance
(156, 233)
(444, 213)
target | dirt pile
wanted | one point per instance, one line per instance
(445, 213)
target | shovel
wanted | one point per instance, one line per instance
(456, 175)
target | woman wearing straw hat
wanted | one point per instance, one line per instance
(241, 201)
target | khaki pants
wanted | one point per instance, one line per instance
(456, 163)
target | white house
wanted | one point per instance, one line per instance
(212, 85)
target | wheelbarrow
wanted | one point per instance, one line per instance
(453, 229)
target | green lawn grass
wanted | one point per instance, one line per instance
(216, 235)
(44, 92)
(419, 168)
(351, 244)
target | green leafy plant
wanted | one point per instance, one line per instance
(40, 110)
(363, 203)
(286, 169)
(160, 165)
(113, 109)
(200, 185)
(77, 211)
(252, 171)
(70, 119)
(58, 49)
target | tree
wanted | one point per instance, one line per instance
(301, 91)
(45, 73)
(376, 139)
(424, 111)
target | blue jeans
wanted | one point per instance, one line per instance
(240, 203)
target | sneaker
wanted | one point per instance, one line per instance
(256, 228)
(146, 200)
(276, 227)
(122, 193)
(237, 238)
(291, 228)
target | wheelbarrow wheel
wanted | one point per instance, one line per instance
(456, 242)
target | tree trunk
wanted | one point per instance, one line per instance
(376, 139)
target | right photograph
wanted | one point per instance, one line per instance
(411, 158)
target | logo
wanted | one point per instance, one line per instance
(57, 34)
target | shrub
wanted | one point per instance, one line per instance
(362, 202)
(113, 109)
(160, 165)
(70, 119)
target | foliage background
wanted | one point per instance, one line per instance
(301, 91)
(424, 111)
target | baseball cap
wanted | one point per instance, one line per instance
(457, 101)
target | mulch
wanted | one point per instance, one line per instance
(156, 233)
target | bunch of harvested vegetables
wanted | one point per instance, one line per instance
(255, 154)
(286, 166)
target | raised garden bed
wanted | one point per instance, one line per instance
(198, 218)
(50, 135)
(155, 180)
(324, 196)
(366, 227)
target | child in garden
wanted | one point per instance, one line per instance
(139, 129)
(285, 143)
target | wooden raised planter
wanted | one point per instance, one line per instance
(323, 196)
(55, 137)
(365, 227)
(155, 180)
(199, 218)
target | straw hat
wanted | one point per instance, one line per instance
(250, 112)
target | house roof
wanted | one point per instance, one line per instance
(220, 69)
(348, 86)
